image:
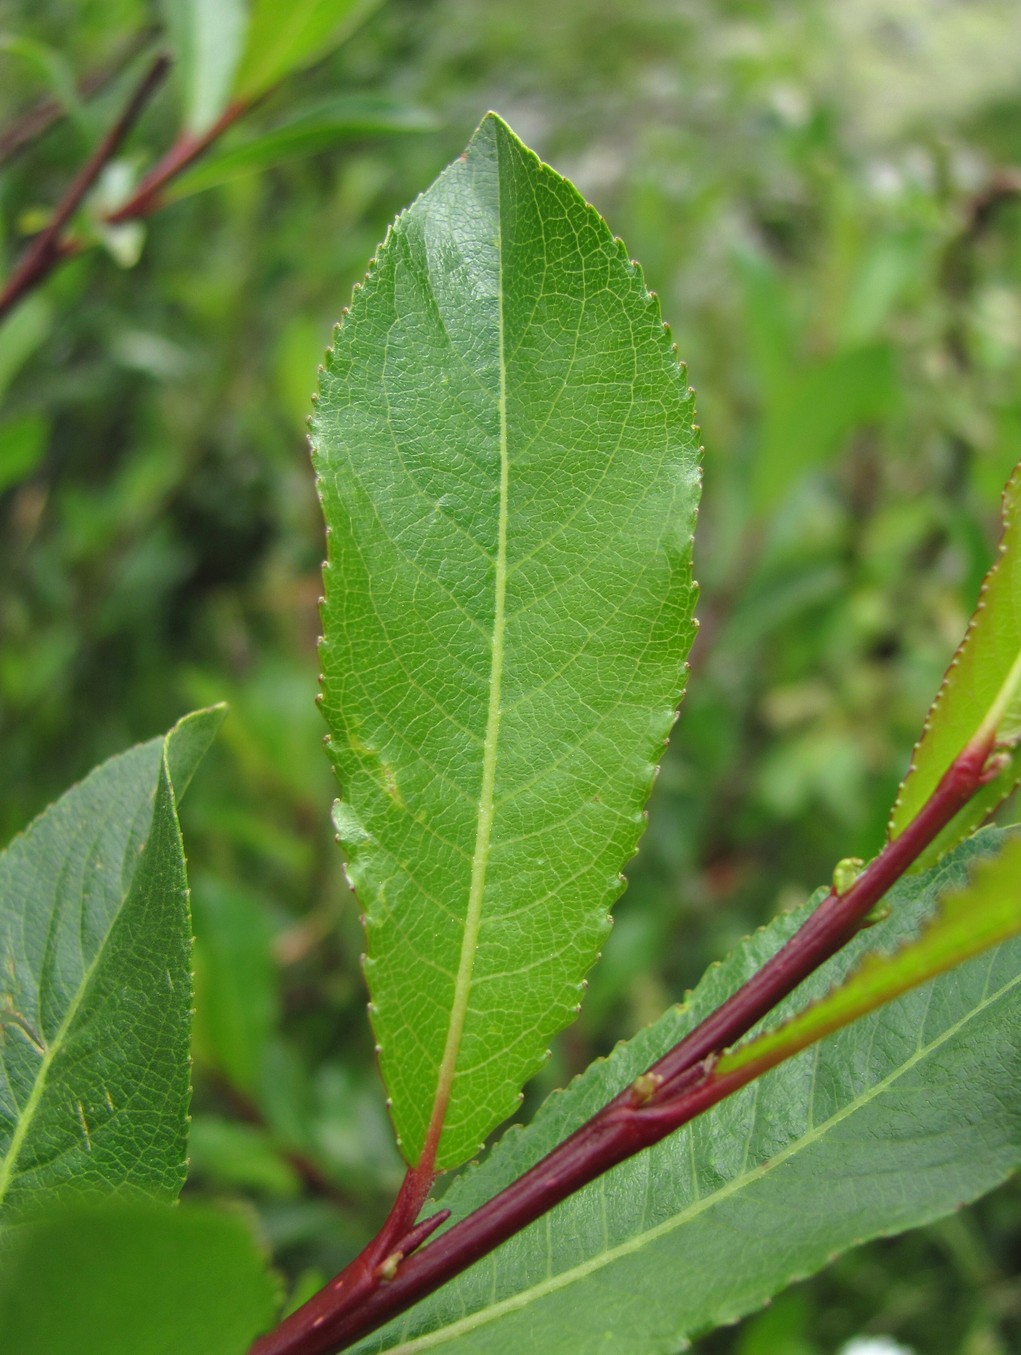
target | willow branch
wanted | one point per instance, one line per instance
(676, 1089)
(185, 151)
(49, 247)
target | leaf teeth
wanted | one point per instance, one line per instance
(398, 421)
(974, 689)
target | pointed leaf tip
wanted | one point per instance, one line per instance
(509, 475)
(980, 696)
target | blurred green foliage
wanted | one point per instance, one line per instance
(827, 199)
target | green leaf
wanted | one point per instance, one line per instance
(890, 1123)
(207, 37)
(286, 38)
(986, 912)
(134, 1279)
(980, 696)
(509, 475)
(95, 985)
(314, 130)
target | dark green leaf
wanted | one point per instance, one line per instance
(814, 410)
(95, 984)
(235, 981)
(21, 333)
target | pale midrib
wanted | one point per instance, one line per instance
(53, 1048)
(484, 829)
(990, 726)
(580, 1272)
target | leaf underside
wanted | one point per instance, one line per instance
(890, 1123)
(95, 984)
(509, 472)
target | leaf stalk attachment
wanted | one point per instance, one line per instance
(675, 1090)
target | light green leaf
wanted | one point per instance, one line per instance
(134, 1279)
(986, 912)
(95, 984)
(207, 36)
(282, 39)
(315, 130)
(509, 474)
(890, 1123)
(980, 695)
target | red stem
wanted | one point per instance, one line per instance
(48, 249)
(679, 1087)
(356, 1283)
(183, 153)
(38, 120)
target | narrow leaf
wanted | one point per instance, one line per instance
(509, 475)
(311, 132)
(207, 36)
(95, 985)
(134, 1279)
(282, 39)
(980, 696)
(986, 912)
(892, 1122)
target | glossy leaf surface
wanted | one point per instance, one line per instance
(897, 1119)
(95, 984)
(509, 474)
(981, 692)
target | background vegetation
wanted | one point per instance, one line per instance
(828, 200)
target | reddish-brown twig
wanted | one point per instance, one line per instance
(49, 247)
(184, 152)
(676, 1089)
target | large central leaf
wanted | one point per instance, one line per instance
(509, 474)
